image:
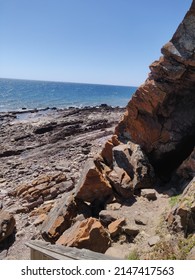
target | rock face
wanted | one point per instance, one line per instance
(160, 116)
(7, 224)
(182, 216)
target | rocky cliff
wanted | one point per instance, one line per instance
(154, 140)
(160, 117)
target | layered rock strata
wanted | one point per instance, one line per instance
(160, 116)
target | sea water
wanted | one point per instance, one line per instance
(25, 94)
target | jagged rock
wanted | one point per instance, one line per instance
(106, 153)
(149, 194)
(183, 214)
(93, 184)
(61, 217)
(88, 234)
(160, 116)
(108, 216)
(121, 182)
(7, 224)
(131, 158)
(115, 228)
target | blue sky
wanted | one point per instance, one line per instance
(89, 41)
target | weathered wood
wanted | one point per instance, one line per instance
(41, 250)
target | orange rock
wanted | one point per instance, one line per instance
(40, 219)
(93, 184)
(88, 234)
(7, 224)
(160, 116)
(115, 228)
(107, 153)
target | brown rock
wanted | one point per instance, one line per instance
(93, 184)
(59, 219)
(108, 216)
(7, 224)
(44, 188)
(106, 153)
(121, 182)
(88, 234)
(131, 158)
(160, 116)
(131, 230)
(183, 215)
(150, 194)
(115, 228)
(40, 219)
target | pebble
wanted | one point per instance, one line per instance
(153, 240)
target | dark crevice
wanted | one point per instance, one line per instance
(169, 162)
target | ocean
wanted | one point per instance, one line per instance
(17, 95)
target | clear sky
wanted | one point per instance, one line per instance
(89, 41)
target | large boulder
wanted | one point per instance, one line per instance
(7, 224)
(88, 234)
(93, 185)
(130, 158)
(61, 217)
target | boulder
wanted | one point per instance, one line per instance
(7, 224)
(93, 184)
(121, 182)
(106, 153)
(135, 163)
(61, 217)
(88, 234)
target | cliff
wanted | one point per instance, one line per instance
(160, 116)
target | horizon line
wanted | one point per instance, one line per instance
(65, 82)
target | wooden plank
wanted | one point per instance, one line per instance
(41, 249)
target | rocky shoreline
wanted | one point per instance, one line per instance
(47, 146)
(70, 178)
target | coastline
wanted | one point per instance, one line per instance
(43, 145)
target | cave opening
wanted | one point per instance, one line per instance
(169, 162)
